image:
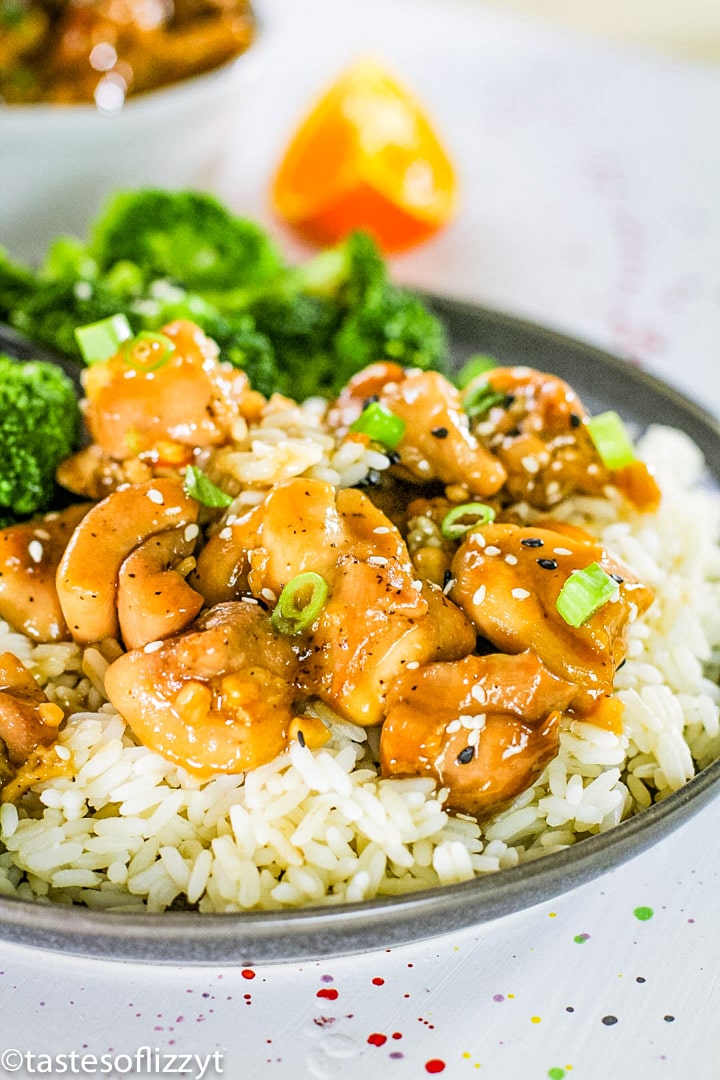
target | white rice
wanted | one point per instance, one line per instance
(125, 830)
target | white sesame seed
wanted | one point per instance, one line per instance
(423, 466)
(492, 550)
(553, 487)
(453, 726)
(52, 516)
(478, 692)
(121, 487)
(268, 594)
(593, 469)
(173, 511)
(451, 583)
(225, 534)
(381, 530)
(562, 551)
(479, 595)
(377, 560)
(412, 665)
(530, 464)
(62, 752)
(152, 646)
(42, 534)
(478, 538)
(511, 560)
(474, 737)
(248, 600)
(192, 531)
(35, 551)
(473, 722)
(520, 594)
(417, 585)
(155, 496)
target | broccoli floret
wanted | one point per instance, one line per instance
(17, 283)
(186, 236)
(39, 426)
(395, 326)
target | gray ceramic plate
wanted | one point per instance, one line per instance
(184, 937)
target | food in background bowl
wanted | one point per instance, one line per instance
(62, 161)
(73, 51)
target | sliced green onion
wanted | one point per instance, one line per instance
(611, 440)
(461, 519)
(380, 424)
(480, 399)
(99, 341)
(300, 603)
(474, 366)
(148, 351)
(198, 487)
(584, 593)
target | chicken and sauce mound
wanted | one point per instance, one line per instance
(69, 52)
(438, 600)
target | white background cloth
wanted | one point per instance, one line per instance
(590, 179)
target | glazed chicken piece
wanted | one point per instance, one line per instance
(507, 581)
(153, 404)
(29, 556)
(437, 443)
(538, 430)
(92, 578)
(374, 626)
(377, 617)
(484, 726)
(217, 699)
(27, 718)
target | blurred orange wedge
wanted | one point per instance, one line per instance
(366, 157)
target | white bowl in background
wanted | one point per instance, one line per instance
(60, 163)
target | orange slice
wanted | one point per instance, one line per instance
(366, 157)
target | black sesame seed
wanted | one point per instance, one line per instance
(532, 541)
(547, 564)
(616, 577)
(465, 756)
(447, 578)
(392, 456)
(439, 432)
(575, 420)
(509, 400)
(609, 1020)
(301, 738)
(370, 400)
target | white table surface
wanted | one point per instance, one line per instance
(590, 202)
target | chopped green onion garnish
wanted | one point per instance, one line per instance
(612, 441)
(198, 487)
(462, 519)
(474, 366)
(480, 399)
(148, 351)
(380, 424)
(584, 593)
(99, 341)
(300, 603)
